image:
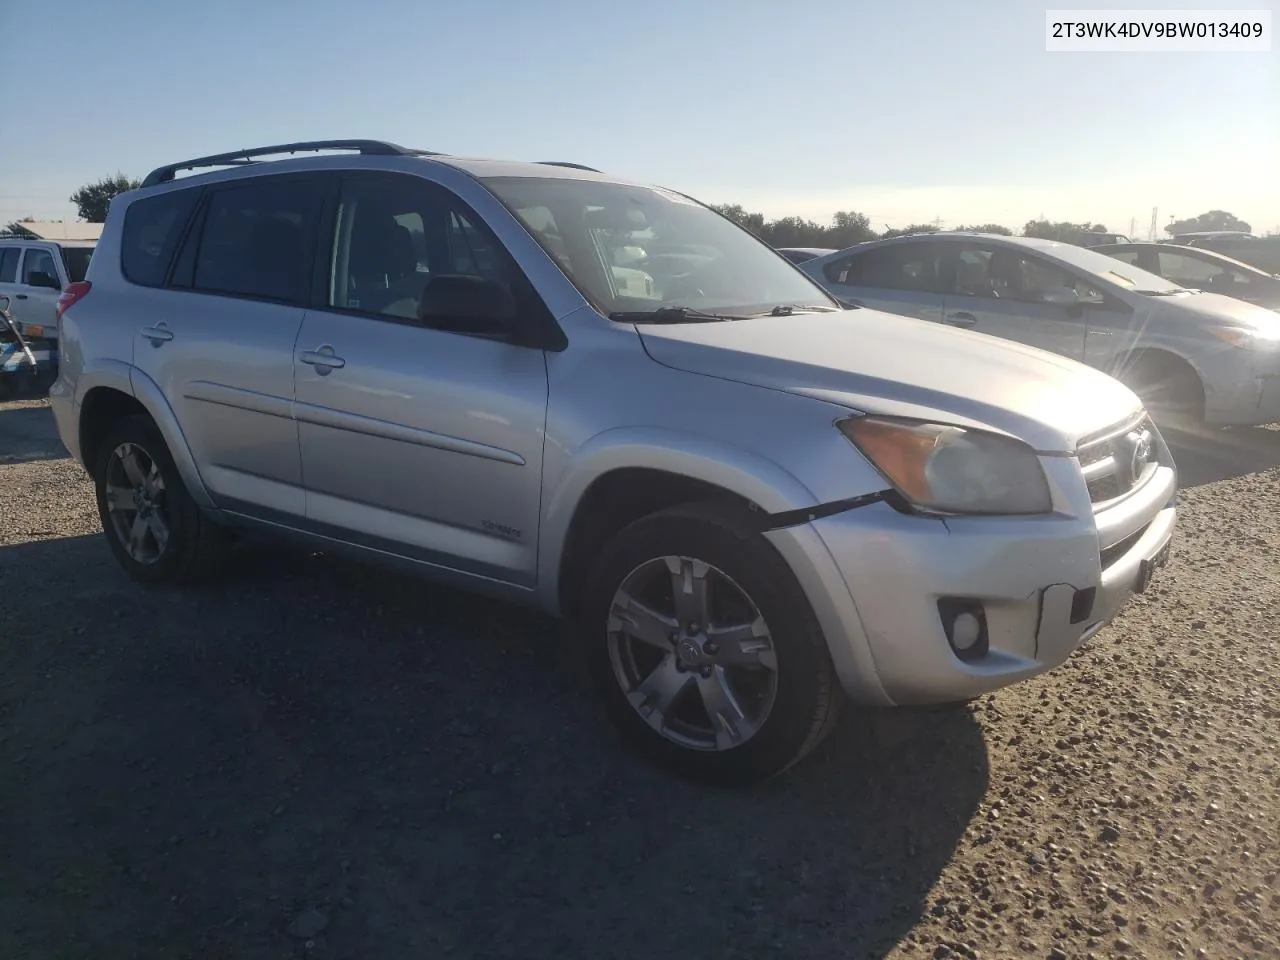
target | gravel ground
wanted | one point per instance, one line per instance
(312, 758)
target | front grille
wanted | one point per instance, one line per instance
(1118, 461)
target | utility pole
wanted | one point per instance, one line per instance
(1151, 234)
(1133, 225)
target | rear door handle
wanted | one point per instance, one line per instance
(158, 334)
(19, 296)
(323, 358)
(962, 320)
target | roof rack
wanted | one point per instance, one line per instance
(566, 163)
(376, 148)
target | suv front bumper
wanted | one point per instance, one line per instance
(1043, 585)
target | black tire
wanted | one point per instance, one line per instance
(1170, 390)
(195, 545)
(807, 697)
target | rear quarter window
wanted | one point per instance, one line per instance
(152, 227)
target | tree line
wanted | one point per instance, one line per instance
(845, 228)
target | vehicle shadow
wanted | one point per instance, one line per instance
(1207, 455)
(28, 432)
(318, 757)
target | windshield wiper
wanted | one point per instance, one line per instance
(787, 309)
(669, 315)
(1164, 293)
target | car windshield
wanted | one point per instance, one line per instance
(1115, 271)
(77, 261)
(636, 250)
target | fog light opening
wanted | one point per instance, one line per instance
(965, 624)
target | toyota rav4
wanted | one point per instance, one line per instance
(606, 400)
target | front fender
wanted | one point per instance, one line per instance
(751, 476)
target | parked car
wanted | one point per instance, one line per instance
(801, 254)
(746, 498)
(1190, 355)
(1098, 239)
(33, 274)
(1260, 252)
(1200, 269)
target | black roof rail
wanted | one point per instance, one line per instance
(375, 148)
(566, 163)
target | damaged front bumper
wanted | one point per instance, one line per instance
(1033, 588)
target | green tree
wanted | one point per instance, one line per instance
(988, 228)
(14, 228)
(1213, 220)
(93, 199)
(1062, 231)
(848, 228)
(743, 218)
(910, 228)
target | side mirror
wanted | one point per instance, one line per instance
(467, 304)
(38, 278)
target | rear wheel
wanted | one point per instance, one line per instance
(704, 649)
(154, 528)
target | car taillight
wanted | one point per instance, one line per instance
(74, 293)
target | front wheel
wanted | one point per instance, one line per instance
(1170, 390)
(704, 649)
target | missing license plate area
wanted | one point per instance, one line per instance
(1147, 569)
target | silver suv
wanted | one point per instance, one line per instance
(606, 400)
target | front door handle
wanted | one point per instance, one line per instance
(323, 358)
(158, 334)
(961, 320)
(19, 296)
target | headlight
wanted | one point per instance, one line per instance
(947, 469)
(1261, 337)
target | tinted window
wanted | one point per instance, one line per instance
(256, 240)
(901, 267)
(1125, 256)
(38, 261)
(393, 235)
(9, 264)
(76, 260)
(1004, 274)
(151, 229)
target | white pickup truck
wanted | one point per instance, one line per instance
(33, 274)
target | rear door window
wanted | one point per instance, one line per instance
(257, 239)
(912, 267)
(152, 227)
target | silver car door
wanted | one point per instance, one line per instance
(419, 440)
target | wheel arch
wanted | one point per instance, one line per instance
(104, 403)
(614, 480)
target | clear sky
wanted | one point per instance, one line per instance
(905, 110)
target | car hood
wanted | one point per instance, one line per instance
(876, 362)
(1217, 307)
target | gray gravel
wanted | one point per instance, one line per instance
(312, 758)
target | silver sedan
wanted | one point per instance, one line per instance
(1189, 354)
